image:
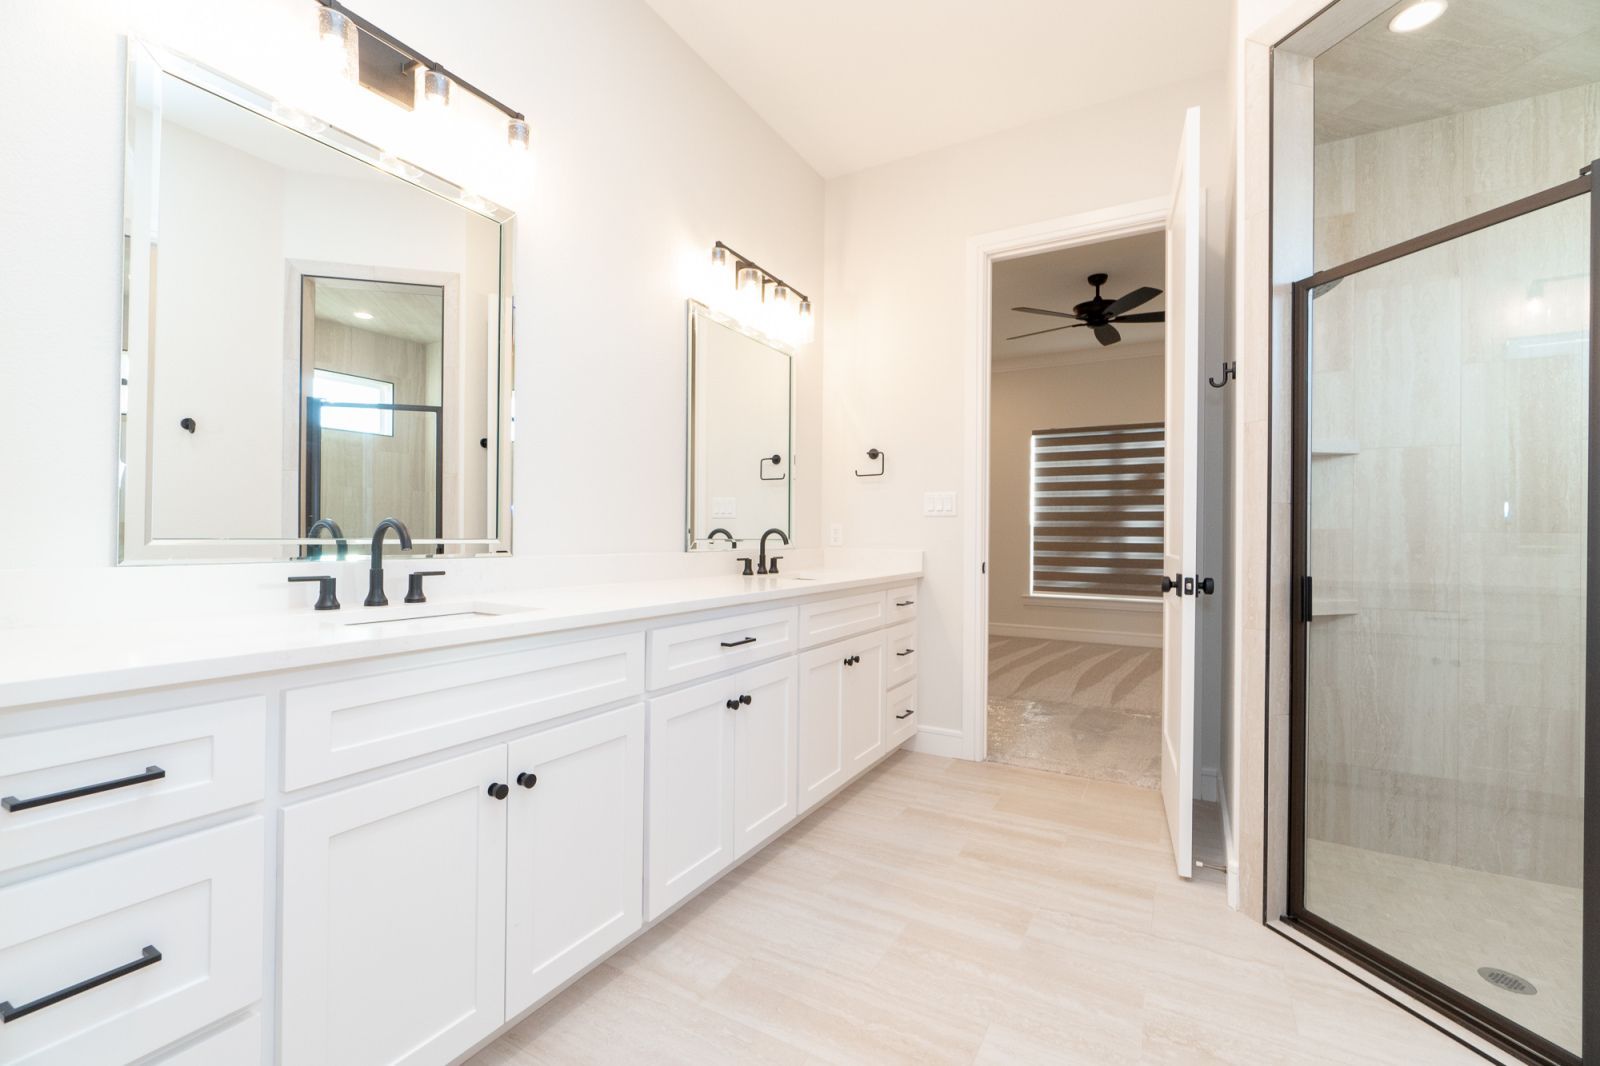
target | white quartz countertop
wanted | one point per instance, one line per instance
(48, 664)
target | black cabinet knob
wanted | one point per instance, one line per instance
(527, 780)
(499, 790)
(733, 704)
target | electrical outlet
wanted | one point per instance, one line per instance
(939, 504)
(836, 535)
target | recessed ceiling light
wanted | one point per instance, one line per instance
(1417, 15)
(363, 315)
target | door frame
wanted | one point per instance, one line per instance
(983, 251)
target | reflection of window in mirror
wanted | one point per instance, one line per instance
(332, 387)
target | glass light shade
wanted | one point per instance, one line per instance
(338, 38)
(517, 134)
(433, 88)
(808, 326)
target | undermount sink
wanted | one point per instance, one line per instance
(441, 612)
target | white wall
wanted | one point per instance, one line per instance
(896, 323)
(1129, 386)
(642, 159)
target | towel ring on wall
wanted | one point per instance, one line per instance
(882, 461)
(761, 468)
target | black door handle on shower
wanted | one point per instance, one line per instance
(12, 804)
(148, 957)
(903, 654)
(908, 714)
(738, 643)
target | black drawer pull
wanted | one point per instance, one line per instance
(904, 603)
(903, 654)
(908, 714)
(738, 643)
(149, 957)
(151, 773)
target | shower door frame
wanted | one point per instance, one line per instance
(1520, 1041)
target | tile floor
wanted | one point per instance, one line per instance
(941, 911)
(1090, 710)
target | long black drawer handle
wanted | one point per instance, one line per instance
(149, 957)
(908, 714)
(904, 603)
(738, 643)
(151, 773)
(903, 654)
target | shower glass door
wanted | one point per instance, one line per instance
(1442, 545)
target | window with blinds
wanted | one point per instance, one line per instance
(1097, 511)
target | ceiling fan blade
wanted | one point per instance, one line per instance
(1107, 335)
(1144, 316)
(1052, 329)
(1132, 300)
(1042, 311)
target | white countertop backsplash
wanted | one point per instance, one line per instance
(100, 631)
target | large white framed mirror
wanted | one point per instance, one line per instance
(317, 335)
(740, 443)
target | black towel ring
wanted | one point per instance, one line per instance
(882, 461)
(761, 468)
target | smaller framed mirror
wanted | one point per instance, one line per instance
(740, 448)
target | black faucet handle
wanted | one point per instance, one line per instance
(326, 599)
(772, 564)
(747, 571)
(414, 585)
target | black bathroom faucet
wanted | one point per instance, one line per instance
(761, 567)
(375, 596)
(331, 527)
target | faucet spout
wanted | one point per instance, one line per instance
(330, 527)
(761, 567)
(375, 596)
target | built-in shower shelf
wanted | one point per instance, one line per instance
(1335, 446)
(1327, 608)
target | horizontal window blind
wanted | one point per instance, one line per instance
(1097, 510)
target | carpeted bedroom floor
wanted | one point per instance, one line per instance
(1089, 710)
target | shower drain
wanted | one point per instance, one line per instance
(1510, 982)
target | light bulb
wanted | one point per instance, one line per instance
(517, 134)
(808, 325)
(339, 41)
(780, 314)
(1417, 15)
(751, 282)
(433, 88)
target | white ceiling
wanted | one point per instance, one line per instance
(411, 312)
(851, 84)
(1057, 280)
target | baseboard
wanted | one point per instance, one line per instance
(931, 740)
(1097, 635)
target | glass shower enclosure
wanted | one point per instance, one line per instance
(1444, 636)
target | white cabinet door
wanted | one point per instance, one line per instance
(864, 690)
(575, 849)
(691, 790)
(393, 948)
(821, 725)
(764, 799)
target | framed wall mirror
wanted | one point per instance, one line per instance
(740, 461)
(317, 336)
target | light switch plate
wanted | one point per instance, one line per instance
(939, 504)
(836, 535)
(724, 507)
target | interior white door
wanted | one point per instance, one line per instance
(394, 912)
(575, 849)
(1185, 249)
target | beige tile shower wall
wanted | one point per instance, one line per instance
(1445, 668)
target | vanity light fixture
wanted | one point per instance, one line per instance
(1415, 16)
(398, 72)
(764, 301)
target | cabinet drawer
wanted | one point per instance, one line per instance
(844, 616)
(381, 715)
(902, 655)
(159, 942)
(239, 1044)
(903, 603)
(701, 649)
(902, 713)
(72, 788)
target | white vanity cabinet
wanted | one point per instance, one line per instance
(722, 773)
(842, 731)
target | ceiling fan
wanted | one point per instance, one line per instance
(1099, 313)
